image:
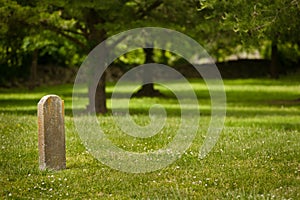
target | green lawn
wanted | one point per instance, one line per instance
(256, 157)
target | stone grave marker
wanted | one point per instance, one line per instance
(51, 133)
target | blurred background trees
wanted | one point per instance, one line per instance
(59, 34)
(271, 27)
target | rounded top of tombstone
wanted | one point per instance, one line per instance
(49, 96)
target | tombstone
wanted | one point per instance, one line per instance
(51, 133)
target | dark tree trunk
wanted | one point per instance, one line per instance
(97, 96)
(100, 97)
(274, 68)
(33, 70)
(95, 37)
(148, 86)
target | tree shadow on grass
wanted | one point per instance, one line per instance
(248, 101)
(29, 107)
(23, 107)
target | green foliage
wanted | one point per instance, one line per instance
(251, 23)
(133, 57)
(290, 52)
(30, 26)
(137, 57)
(65, 31)
(12, 32)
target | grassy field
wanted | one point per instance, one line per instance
(257, 155)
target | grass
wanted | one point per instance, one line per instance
(256, 157)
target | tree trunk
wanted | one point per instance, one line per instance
(100, 97)
(148, 86)
(95, 37)
(274, 68)
(33, 70)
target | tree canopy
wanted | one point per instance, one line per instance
(68, 30)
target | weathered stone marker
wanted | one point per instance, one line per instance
(51, 133)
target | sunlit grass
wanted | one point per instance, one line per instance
(257, 155)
